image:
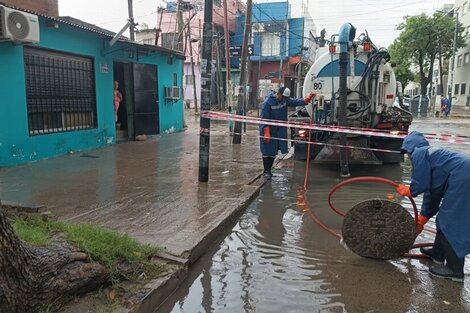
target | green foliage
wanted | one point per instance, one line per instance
(402, 67)
(102, 245)
(422, 39)
(35, 232)
(106, 246)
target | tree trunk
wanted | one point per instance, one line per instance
(34, 277)
(422, 76)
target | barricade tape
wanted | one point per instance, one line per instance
(443, 138)
(215, 115)
(301, 124)
(404, 133)
(314, 143)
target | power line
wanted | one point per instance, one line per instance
(123, 20)
(372, 12)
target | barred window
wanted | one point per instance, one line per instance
(271, 44)
(271, 35)
(60, 91)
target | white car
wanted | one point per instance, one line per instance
(406, 103)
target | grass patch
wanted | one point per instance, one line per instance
(34, 234)
(107, 247)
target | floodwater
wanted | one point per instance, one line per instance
(277, 259)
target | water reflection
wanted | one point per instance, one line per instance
(277, 259)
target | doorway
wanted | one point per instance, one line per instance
(138, 112)
(146, 117)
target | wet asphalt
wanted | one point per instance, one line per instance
(277, 259)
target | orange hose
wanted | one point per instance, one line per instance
(363, 179)
(367, 179)
(308, 155)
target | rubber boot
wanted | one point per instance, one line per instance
(436, 253)
(267, 164)
(453, 269)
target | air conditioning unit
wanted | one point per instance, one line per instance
(18, 26)
(172, 93)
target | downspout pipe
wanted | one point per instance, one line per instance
(347, 33)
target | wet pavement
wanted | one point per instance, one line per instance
(148, 189)
(277, 259)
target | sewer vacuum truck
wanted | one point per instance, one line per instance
(355, 86)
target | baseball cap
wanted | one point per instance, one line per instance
(284, 91)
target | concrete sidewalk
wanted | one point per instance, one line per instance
(148, 189)
(459, 112)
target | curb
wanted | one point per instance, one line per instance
(163, 288)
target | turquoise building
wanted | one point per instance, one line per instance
(56, 95)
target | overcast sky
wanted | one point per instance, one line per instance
(379, 17)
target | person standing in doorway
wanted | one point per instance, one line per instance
(274, 138)
(117, 100)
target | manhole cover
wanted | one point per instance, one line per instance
(379, 229)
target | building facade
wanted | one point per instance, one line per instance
(57, 94)
(460, 88)
(283, 48)
(46, 7)
(193, 11)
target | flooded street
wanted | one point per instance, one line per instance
(277, 259)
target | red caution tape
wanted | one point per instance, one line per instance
(446, 138)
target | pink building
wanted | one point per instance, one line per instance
(193, 13)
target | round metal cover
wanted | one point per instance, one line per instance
(379, 229)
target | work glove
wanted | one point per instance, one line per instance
(266, 134)
(309, 97)
(403, 190)
(421, 221)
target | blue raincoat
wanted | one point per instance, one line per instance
(273, 109)
(442, 175)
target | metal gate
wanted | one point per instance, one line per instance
(146, 118)
(60, 91)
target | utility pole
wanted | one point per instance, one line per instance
(179, 21)
(218, 77)
(206, 78)
(192, 65)
(258, 92)
(299, 73)
(237, 138)
(227, 56)
(159, 27)
(249, 79)
(130, 8)
(451, 87)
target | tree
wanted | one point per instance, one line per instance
(402, 67)
(422, 39)
(33, 277)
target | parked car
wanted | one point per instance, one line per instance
(405, 105)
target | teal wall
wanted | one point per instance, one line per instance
(16, 146)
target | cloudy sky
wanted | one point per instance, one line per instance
(379, 17)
